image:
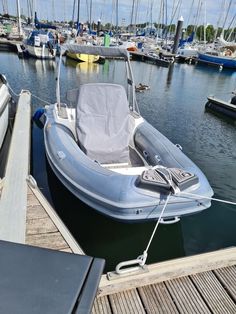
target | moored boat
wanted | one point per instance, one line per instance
(218, 60)
(108, 156)
(81, 57)
(41, 44)
(5, 99)
(221, 106)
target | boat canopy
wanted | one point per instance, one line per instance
(105, 52)
(96, 50)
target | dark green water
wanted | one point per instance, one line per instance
(175, 104)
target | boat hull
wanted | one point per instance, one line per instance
(82, 57)
(112, 194)
(225, 62)
(4, 111)
(221, 107)
(41, 52)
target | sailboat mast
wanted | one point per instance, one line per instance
(19, 19)
(4, 6)
(132, 14)
(73, 14)
(117, 16)
(78, 13)
(226, 16)
(33, 9)
(53, 11)
(90, 14)
(205, 24)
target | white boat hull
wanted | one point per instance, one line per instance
(41, 52)
(4, 112)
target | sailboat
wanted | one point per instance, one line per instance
(79, 56)
(41, 43)
(224, 56)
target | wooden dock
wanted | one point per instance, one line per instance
(25, 214)
(44, 227)
(204, 283)
(8, 45)
(140, 56)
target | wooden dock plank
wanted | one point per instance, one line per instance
(127, 302)
(101, 306)
(227, 277)
(170, 269)
(32, 200)
(52, 241)
(40, 225)
(56, 224)
(68, 250)
(14, 191)
(186, 297)
(36, 212)
(213, 292)
(157, 300)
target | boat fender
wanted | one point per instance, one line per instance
(38, 114)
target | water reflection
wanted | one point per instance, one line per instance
(169, 74)
(220, 116)
(82, 67)
(40, 67)
(209, 231)
(112, 240)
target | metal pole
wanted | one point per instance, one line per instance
(178, 34)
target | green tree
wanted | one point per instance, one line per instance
(190, 29)
(210, 32)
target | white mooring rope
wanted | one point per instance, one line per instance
(205, 197)
(36, 97)
(140, 260)
(145, 252)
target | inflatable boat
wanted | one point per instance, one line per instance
(108, 156)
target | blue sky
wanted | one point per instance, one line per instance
(103, 8)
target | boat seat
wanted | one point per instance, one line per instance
(103, 123)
